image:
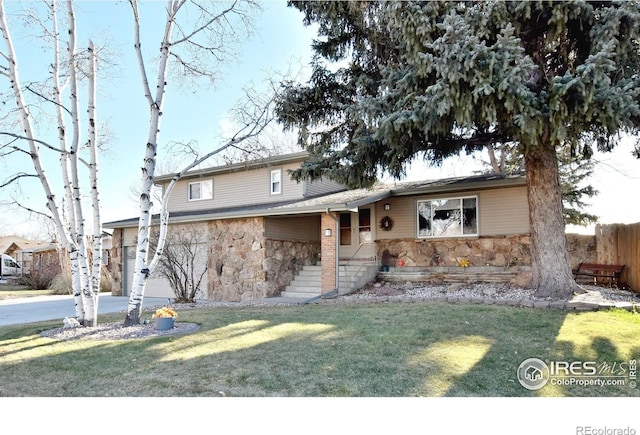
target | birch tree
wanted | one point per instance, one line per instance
(68, 216)
(195, 38)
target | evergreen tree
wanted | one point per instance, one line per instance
(399, 80)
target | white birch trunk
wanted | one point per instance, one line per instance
(64, 166)
(27, 128)
(96, 261)
(141, 268)
(90, 314)
(72, 235)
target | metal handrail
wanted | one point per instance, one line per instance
(354, 256)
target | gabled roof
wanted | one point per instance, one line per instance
(236, 167)
(341, 201)
(15, 243)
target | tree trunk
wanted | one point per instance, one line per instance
(96, 259)
(142, 267)
(551, 266)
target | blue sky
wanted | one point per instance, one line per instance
(280, 42)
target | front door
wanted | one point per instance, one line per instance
(356, 235)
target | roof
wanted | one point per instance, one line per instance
(341, 201)
(16, 243)
(236, 167)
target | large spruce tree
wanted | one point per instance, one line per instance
(399, 80)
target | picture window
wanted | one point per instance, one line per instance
(448, 217)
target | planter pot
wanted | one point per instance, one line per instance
(165, 323)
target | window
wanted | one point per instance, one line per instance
(345, 229)
(201, 190)
(276, 182)
(364, 225)
(364, 219)
(448, 217)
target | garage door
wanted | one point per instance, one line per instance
(157, 285)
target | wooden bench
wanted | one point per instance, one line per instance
(599, 272)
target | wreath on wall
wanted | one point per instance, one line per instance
(386, 223)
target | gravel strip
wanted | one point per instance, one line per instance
(116, 331)
(411, 291)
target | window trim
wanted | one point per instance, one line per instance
(201, 183)
(448, 198)
(272, 182)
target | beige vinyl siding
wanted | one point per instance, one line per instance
(130, 235)
(504, 211)
(403, 214)
(237, 189)
(293, 228)
(500, 212)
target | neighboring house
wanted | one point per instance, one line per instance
(42, 258)
(9, 245)
(21, 250)
(261, 234)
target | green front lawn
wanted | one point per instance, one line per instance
(363, 350)
(8, 291)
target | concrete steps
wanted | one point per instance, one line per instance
(308, 283)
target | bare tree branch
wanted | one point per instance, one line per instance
(17, 177)
(17, 203)
(44, 97)
(206, 25)
(41, 142)
(138, 49)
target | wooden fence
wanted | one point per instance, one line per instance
(620, 244)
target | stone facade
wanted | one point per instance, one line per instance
(244, 264)
(505, 252)
(284, 259)
(482, 251)
(115, 262)
(582, 248)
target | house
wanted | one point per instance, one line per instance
(22, 250)
(261, 234)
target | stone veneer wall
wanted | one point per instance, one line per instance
(244, 264)
(481, 251)
(284, 259)
(582, 248)
(115, 262)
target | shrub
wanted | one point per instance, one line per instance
(61, 284)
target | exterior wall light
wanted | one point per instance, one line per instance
(327, 232)
(387, 207)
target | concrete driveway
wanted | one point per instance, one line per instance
(39, 308)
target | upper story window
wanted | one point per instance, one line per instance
(448, 217)
(200, 190)
(276, 181)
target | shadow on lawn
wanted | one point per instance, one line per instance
(369, 350)
(574, 342)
